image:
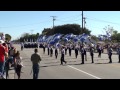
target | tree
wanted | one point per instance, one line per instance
(109, 29)
(94, 37)
(116, 37)
(66, 29)
(115, 32)
(8, 37)
(27, 37)
(37, 34)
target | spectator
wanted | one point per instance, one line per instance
(35, 58)
(18, 64)
(2, 58)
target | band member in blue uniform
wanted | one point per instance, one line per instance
(56, 52)
(82, 54)
(99, 51)
(92, 53)
(110, 53)
(48, 48)
(76, 51)
(62, 56)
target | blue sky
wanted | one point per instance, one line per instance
(16, 23)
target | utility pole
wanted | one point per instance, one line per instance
(82, 25)
(53, 20)
(82, 21)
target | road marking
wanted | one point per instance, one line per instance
(84, 72)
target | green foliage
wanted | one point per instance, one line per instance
(94, 37)
(26, 36)
(115, 32)
(116, 37)
(66, 29)
(63, 29)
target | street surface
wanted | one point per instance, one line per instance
(50, 67)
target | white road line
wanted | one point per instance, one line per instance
(84, 72)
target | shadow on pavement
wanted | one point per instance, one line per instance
(51, 65)
(106, 63)
(102, 63)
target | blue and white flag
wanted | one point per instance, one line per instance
(108, 34)
(83, 37)
(57, 45)
(68, 36)
(100, 37)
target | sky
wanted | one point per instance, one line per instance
(16, 23)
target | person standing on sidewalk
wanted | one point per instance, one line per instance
(6, 56)
(18, 64)
(35, 58)
(2, 58)
(6, 47)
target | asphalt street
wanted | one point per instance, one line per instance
(50, 67)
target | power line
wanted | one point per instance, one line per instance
(40, 22)
(102, 21)
(84, 19)
(69, 17)
(94, 19)
(24, 25)
(69, 20)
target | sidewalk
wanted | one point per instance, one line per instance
(11, 74)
